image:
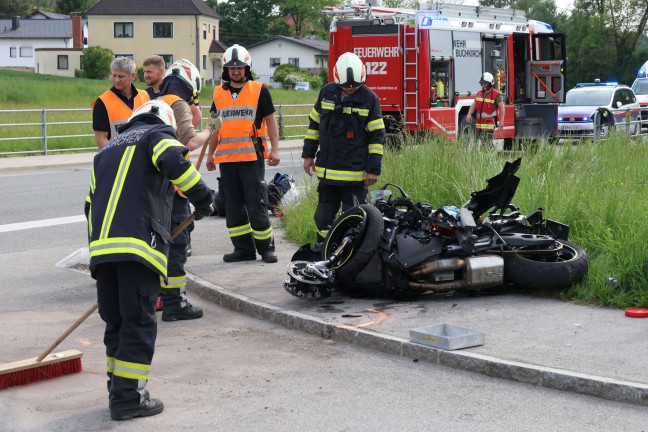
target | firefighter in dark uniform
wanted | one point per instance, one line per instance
(129, 216)
(240, 148)
(344, 141)
(180, 87)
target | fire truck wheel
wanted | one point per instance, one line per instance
(467, 130)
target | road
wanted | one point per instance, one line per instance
(226, 371)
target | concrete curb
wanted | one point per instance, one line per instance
(557, 379)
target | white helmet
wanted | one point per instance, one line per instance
(487, 77)
(156, 108)
(237, 56)
(349, 71)
(186, 71)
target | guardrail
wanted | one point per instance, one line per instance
(42, 131)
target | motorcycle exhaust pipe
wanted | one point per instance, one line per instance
(446, 264)
(438, 286)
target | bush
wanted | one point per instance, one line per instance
(96, 62)
(283, 71)
(140, 73)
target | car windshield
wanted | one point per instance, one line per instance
(640, 87)
(599, 96)
(301, 84)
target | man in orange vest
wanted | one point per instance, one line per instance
(181, 86)
(240, 147)
(113, 108)
(488, 106)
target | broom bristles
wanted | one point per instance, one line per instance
(28, 371)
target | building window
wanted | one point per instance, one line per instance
(204, 62)
(168, 60)
(63, 62)
(26, 52)
(293, 61)
(12, 52)
(130, 56)
(123, 29)
(275, 61)
(204, 31)
(163, 30)
(214, 33)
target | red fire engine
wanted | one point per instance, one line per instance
(425, 65)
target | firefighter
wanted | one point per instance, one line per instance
(344, 142)
(180, 87)
(128, 209)
(488, 106)
(113, 107)
(240, 148)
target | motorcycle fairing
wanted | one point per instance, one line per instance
(411, 252)
(499, 192)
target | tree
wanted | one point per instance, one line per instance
(96, 62)
(245, 21)
(302, 12)
(69, 6)
(12, 8)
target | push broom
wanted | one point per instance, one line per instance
(47, 365)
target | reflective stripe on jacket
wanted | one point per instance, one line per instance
(346, 138)
(129, 203)
(236, 135)
(118, 111)
(486, 110)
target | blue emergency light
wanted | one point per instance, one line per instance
(643, 70)
(597, 82)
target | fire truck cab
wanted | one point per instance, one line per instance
(425, 65)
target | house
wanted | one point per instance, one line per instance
(173, 29)
(21, 40)
(311, 54)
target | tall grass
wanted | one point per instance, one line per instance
(600, 190)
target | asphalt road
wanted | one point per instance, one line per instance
(229, 372)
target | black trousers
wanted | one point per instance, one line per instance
(246, 206)
(173, 292)
(127, 292)
(328, 205)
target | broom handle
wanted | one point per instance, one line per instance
(67, 332)
(184, 224)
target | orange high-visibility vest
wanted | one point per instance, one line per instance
(118, 111)
(236, 135)
(486, 110)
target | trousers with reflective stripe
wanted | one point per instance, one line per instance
(246, 211)
(126, 292)
(173, 292)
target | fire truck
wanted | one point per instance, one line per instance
(425, 65)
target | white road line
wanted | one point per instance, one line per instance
(41, 223)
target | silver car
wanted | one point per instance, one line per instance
(616, 104)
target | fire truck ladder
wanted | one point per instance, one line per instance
(410, 72)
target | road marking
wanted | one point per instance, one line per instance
(42, 223)
(382, 316)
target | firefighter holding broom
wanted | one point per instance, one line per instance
(129, 217)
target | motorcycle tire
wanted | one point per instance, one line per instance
(561, 271)
(364, 224)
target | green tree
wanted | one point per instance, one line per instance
(12, 8)
(304, 14)
(96, 62)
(245, 21)
(68, 6)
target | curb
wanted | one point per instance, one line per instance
(551, 378)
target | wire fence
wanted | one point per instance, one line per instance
(55, 130)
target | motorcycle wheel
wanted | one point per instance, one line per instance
(364, 225)
(556, 271)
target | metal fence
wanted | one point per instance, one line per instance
(50, 130)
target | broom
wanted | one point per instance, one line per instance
(47, 366)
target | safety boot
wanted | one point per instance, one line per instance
(268, 256)
(176, 313)
(149, 407)
(239, 255)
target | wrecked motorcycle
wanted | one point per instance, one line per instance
(395, 246)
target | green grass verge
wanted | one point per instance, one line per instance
(600, 190)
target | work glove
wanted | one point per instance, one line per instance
(204, 210)
(215, 121)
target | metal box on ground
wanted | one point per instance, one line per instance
(447, 336)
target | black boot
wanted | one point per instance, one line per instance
(175, 313)
(269, 256)
(239, 255)
(149, 407)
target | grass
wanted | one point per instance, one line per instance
(22, 91)
(600, 190)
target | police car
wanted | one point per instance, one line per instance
(640, 88)
(616, 103)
